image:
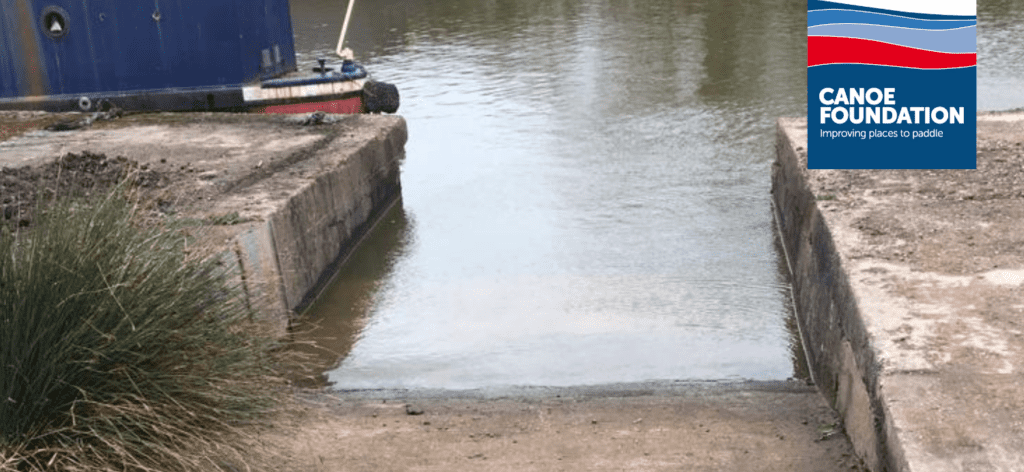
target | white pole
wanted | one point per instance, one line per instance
(344, 27)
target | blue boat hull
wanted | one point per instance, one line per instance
(177, 55)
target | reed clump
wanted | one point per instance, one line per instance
(121, 351)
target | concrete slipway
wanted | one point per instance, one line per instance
(304, 194)
(909, 286)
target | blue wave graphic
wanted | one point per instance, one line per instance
(961, 40)
(824, 17)
(813, 5)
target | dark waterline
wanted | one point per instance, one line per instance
(585, 197)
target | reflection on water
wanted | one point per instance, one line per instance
(1000, 54)
(346, 303)
(585, 195)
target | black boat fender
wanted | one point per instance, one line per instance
(380, 97)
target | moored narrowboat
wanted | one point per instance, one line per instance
(186, 55)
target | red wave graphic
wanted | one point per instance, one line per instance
(823, 50)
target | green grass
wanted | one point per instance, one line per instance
(121, 351)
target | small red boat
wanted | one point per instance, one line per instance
(346, 90)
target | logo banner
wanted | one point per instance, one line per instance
(891, 84)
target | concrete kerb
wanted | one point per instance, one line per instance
(914, 340)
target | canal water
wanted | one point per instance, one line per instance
(585, 190)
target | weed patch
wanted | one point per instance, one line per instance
(119, 350)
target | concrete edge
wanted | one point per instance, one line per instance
(320, 225)
(611, 390)
(290, 256)
(843, 363)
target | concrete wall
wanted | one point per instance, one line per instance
(319, 225)
(834, 336)
(320, 209)
(908, 286)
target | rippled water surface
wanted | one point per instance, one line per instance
(585, 190)
(1000, 54)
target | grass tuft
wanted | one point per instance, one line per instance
(119, 351)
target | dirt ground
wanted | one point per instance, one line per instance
(16, 123)
(76, 175)
(932, 222)
(84, 174)
(176, 177)
(697, 427)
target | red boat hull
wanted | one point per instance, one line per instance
(344, 106)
